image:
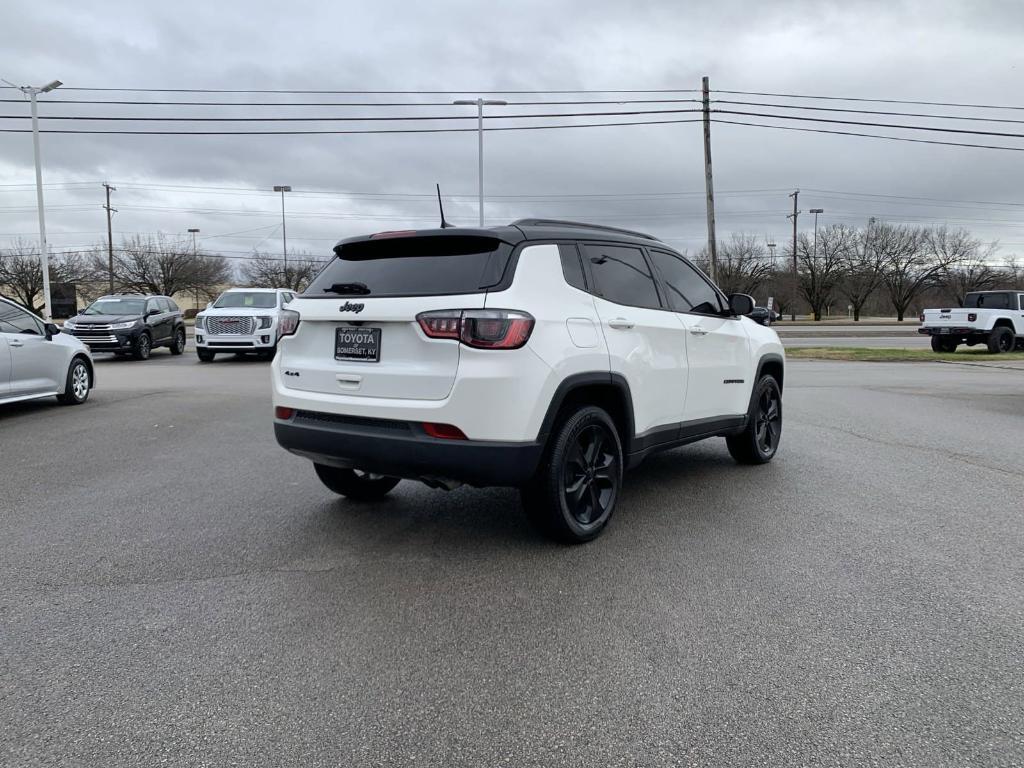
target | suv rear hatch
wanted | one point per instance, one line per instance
(358, 333)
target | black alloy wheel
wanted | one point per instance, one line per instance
(590, 475)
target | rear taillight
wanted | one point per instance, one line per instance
(922, 317)
(443, 431)
(479, 328)
(281, 412)
(971, 317)
(289, 322)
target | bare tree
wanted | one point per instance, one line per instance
(820, 269)
(862, 271)
(909, 265)
(743, 264)
(165, 266)
(265, 271)
(966, 259)
(21, 273)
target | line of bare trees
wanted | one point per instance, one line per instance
(889, 268)
(148, 264)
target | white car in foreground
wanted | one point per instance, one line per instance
(242, 320)
(37, 360)
(993, 318)
(549, 356)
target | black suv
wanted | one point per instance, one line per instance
(130, 323)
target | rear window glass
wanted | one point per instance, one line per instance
(989, 300)
(413, 266)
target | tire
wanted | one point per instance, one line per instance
(356, 484)
(205, 356)
(943, 344)
(759, 441)
(143, 347)
(77, 384)
(178, 345)
(1000, 340)
(573, 495)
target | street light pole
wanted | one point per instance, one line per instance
(480, 103)
(816, 211)
(195, 252)
(44, 253)
(284, 230)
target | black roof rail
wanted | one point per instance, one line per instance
(579, 225)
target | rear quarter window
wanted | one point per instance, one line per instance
(414, 266)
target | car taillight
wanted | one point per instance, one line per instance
(922, 317)
(443, 431)
(971, 317)
(282, 412)
(289, 322)
(479, 328)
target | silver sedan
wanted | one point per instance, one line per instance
(37, 360)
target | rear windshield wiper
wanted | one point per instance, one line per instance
(349, 289)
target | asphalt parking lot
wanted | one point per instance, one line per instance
(177, 590)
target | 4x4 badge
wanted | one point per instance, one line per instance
(350, 307)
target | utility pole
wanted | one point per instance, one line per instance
(195, 255)
(282, 188)
(110, 236)
(480, 104)
(709, 182)
(796, 281)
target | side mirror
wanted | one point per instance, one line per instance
(152, 312)
(741, 304)
(209, 305)
(51, 330)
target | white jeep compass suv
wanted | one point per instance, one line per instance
(545, 355)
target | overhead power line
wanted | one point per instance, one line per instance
(353, 118)
(803, 118)
(868, 135)
(56, 101)
(349, 132)
(363, 91)
(869, 111)
(872, 100)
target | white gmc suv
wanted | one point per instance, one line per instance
(993, 318)
(545, 355)
(242, 320)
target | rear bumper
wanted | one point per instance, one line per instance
(951, 331)
(403, 449)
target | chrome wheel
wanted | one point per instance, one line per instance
(80, 381)
(768, 420)
(591, 475)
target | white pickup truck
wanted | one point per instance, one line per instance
(994, 318)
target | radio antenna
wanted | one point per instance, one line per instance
(440, 205)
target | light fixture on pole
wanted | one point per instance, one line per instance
(44, 254)
(480, 104)
(282, 188)
(816, 211)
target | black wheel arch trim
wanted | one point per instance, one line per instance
(770, 357)
(588, 379)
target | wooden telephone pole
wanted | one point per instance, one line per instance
(110, 235)
(709, 183)
(796, 279)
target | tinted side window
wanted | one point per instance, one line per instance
(621, 275)
(572, 267)
(688, 291)
(16, 320)
(1021, 297)
(171, 306)
(152, 305)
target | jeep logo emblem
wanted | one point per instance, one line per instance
(350, 307)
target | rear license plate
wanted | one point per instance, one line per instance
(362, 344)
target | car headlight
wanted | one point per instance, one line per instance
(70, 325)
(200, 323)
(123, 326)
(265, 321)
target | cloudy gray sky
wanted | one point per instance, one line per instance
(647, 177)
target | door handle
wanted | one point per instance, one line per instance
(698, 331)
(16, 343)
(620, 323)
